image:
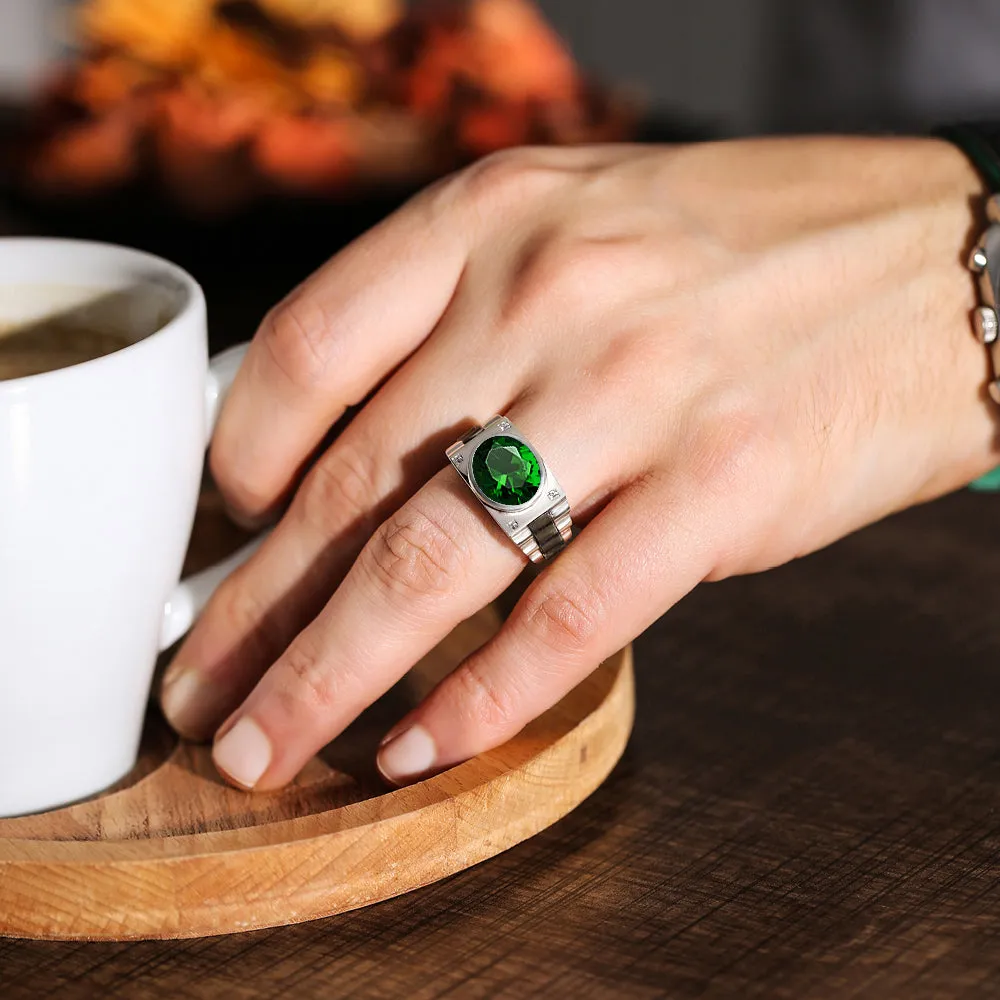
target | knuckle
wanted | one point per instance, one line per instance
(487, 704)
(545, 274)
(296, 340)
(236, 606)
(341, 488)
(504, 179)
(415, 554)
(306, 682)
(238, 609)
(744, 473)
(631, 360)
(561, 269)
(684, 339)
(565, 618)
(244, 487)
(734, 449)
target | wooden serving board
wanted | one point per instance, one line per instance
(172, 851)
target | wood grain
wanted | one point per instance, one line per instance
(175, 852)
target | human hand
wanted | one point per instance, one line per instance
(730, 355)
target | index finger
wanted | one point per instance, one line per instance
(330, 342)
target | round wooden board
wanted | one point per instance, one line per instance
(172, 851)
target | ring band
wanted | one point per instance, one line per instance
(520, 492)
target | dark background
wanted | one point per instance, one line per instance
(746, 66)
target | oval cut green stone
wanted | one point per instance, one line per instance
(506, 470)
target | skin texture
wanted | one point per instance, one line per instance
(731, 354)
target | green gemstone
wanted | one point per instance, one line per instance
(506, 470)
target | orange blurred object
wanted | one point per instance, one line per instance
(108, 82)
(204, 121)
(88, 156)
(198, 144)
(332, 78)
(362, 20)
(305, 154)
(224, 100)
(153, 31)
(520, 57)
(229, 59)
(504, 49)
(486, 130)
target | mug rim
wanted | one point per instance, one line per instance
(195, 301)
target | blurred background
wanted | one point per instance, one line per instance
(219, 132)
(741, 65)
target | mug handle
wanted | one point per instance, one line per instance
(192, 593)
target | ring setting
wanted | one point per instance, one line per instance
(515, 486)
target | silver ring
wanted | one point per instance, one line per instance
(508, 477)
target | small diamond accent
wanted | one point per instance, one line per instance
(459, 459)
(504, 425)
(513, 525)
(553, 494)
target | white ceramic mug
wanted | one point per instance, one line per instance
(100, 468)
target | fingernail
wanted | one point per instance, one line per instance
(244, 753)
(410, 754)
(192, 705)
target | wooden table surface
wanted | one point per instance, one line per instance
(810, 807)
